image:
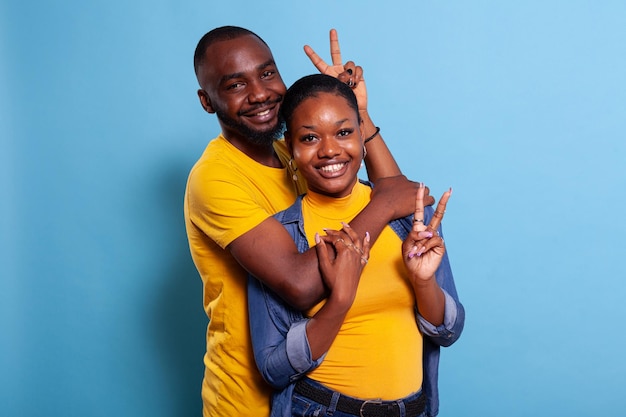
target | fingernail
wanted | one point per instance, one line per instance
(367, 236)
(317, 238)
(345, 224)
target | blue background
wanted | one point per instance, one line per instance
(520, 106)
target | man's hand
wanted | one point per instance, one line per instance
(398, 195)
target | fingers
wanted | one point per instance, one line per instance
(348, 239)
(362, 247)
(429, 200)
(418, 214)
(352, 75)
(366, 249)
(316, 59)
(322, 253)
(335, 51)
(440, 211)
(423, 239)
(354, 237)
(424, 242)
(335, 54)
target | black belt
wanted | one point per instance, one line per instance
(363, 408)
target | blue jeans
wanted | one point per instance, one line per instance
(306, 407)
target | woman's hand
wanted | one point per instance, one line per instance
(341, 275)
(348, 73)
(423, 248)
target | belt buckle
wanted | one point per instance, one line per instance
(373, 402)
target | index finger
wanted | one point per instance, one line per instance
(322, 252)
(335, 50)
(418, 215)
(440, 210)
(316, 59)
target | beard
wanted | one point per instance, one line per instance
(256, 137)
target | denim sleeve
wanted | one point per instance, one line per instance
(449, 331)
(281, 348)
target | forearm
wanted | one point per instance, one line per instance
(300, 282)
(269, 253)
(372, 219)
(322, 328)
(379, 161)
(449, 331)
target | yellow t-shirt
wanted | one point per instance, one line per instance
(227, 195)
(378, 350)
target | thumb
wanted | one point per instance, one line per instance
(322, 253)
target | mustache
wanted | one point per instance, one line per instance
(266, 103)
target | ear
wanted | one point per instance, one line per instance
(288, 141)
(205, 101)
(361, 130)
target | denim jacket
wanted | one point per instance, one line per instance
(281, 347)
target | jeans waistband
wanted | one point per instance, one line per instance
(413, 407)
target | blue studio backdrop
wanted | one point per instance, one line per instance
(519, 106)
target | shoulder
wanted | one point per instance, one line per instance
(292, 213)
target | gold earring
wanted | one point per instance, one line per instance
(294, 169)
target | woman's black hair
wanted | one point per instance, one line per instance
(311, 86)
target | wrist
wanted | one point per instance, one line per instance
(382, 207)
(339, 303)
(372, 136)
(368, 126)
(424, 284)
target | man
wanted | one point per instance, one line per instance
(241, 180)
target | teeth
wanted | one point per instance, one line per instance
(263, 113)
(332, 168)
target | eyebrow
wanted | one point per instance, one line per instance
(268, 63)
(337, 123)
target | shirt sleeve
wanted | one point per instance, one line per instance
(222, 204)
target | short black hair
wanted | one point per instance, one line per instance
(311, 86)
(223, 33)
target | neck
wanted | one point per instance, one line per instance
(263, 154)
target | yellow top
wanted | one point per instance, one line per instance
(378, 350)
(227, 195)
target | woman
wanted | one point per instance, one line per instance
(361, 351)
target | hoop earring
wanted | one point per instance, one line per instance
(294, 169)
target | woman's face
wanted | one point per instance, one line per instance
(325, 139)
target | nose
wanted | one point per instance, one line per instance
(258, 92)
(328, 148)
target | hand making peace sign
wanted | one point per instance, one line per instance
(423, 249)
(348, 73)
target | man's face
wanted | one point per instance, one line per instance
(240, 83)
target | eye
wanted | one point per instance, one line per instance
(234, 86)
(308, 138)
(268, 73)
(345, 132)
